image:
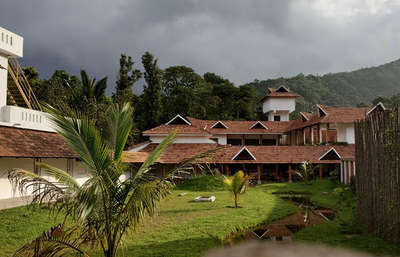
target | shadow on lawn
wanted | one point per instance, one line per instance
(206, 208)
(193, 247)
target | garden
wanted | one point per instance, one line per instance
(183, 227)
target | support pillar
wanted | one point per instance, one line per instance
(259, 166)
(290, 173)
(276, 171)
(304, 136)
(244, 168)
(164, 173)
(227, 172)
(312, 135)
(260, 139)
(243, 140)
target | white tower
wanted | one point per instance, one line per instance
(279, 103)
(11, 46)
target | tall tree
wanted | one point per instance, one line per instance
(180, 84)
(127, 77)
(151, 100)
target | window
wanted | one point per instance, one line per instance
(277, 118)
(233, 141)
(251, 142)
(268, 142)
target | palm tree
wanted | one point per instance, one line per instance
(237, 184)
(90, 89)
(306, 171)
(105, 207)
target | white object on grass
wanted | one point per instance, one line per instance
(205, 199)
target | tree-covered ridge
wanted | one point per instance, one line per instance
(354, 88)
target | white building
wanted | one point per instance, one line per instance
(26, 135)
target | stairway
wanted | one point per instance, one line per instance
(19, 92)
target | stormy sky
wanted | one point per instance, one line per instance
(241, 40)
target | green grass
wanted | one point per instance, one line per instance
(186, 228)
(203, 183)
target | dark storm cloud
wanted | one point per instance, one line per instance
(242, 40)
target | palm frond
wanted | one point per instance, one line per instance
(54, 243)
(42, 190)
(99, 88)
(153, 157)
(62, 178)
(119, 127)
(84, 139)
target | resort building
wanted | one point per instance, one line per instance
(269, 150)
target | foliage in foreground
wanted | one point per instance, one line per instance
(105, 206)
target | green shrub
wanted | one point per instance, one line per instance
(203, 183)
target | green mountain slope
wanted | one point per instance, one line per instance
(339, 89)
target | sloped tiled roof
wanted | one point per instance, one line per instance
(17, 142)
(343, 114)
(272, 92)
(263, 154)
(204, 127)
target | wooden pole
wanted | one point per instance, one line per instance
(276, 171)
(243, 140)
(244, 168)
(260, 139)
(290, 173)
(259, 173)
(163, 171)
(227, 173)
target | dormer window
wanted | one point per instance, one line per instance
(330, 155)
(178, 120)
(219, 125)
(282, 89)
(321, 111)
(258, 125)
(244, 155)
(304, 117)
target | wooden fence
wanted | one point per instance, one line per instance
(377, 178)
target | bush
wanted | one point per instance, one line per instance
(203, 183)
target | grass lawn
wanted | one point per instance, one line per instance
(186, 228)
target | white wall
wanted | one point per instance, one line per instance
(345, 132)
(11, 44)
(3, 81)
(279, 104)
(222, 139)
(6, 164)
(25, 118)
(283, 114)
(184, 140)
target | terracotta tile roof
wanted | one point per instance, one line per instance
(194, 129)
(204, 127)
(263, 154)
(343, 114)
(134, 157)
(333, 115)
(272, 92)
(17, 142)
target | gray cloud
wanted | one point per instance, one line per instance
(241, 40)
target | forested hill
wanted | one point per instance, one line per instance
(339, 89)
